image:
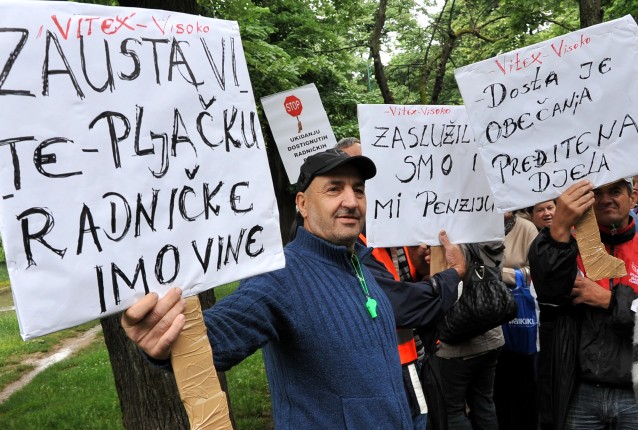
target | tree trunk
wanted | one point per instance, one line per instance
(425, 73)
(149, 398)
(446, 52)
(284, 193)
(449, 40)
(591, 13)
(375, 53)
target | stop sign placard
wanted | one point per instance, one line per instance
(293, 105)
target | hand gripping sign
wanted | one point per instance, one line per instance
(131, 161)
(548, 115)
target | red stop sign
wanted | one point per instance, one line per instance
(293, 105)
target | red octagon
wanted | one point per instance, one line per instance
(293, 105)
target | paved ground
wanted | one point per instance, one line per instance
(64, 350)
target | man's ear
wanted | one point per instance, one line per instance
(300, 200)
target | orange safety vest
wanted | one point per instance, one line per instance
(407, 345)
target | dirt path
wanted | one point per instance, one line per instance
(66, 349)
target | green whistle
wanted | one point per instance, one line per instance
(371, 305)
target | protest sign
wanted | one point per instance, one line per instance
(299, 125)
(428, 177)
(131, 160)
(553, 113)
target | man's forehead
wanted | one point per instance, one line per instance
(341, 174)
(620, 183)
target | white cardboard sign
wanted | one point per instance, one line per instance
(428, 177)
(299, 125)
(131, 160)
(550, 114)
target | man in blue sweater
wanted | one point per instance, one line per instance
(326, 328)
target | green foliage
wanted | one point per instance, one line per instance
(288, 44)
(619, 8)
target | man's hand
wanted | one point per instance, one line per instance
(570, 206)
(453, 254)
(155, 324)
(590, 293)
(420, 257)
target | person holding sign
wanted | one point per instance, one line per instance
(417, 303)
(327, 329)
(589, 357)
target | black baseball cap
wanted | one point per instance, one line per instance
(323, 162)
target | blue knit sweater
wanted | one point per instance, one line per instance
(329, 364)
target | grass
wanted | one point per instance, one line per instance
(249, 394)
(79, 393)
(247, 386)
(13, 350)
(4, 275)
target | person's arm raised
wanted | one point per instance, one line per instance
(155, 324)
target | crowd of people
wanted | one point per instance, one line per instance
(349, 333)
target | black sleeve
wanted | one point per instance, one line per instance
(417, 304)
(553, 268)
(622, 317)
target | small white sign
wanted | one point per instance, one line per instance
(131, 160)
(428, 177)
(556, 112)
(299, 125)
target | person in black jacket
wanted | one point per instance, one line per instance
(586, 327)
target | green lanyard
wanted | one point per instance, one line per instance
(371, 304)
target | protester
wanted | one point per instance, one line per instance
(466, 369)
(589, 356)
(349, 145)
(515, 379)
(326, 328)
(416, 305)
(541, 214)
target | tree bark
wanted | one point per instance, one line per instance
(425, 73)
(149, 398)
(284, 193)
(591, 13)
(375, 53)
(446, 53)
(449, 40)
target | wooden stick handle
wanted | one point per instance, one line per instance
(598, 264)
(195, 374)
(438, 263)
